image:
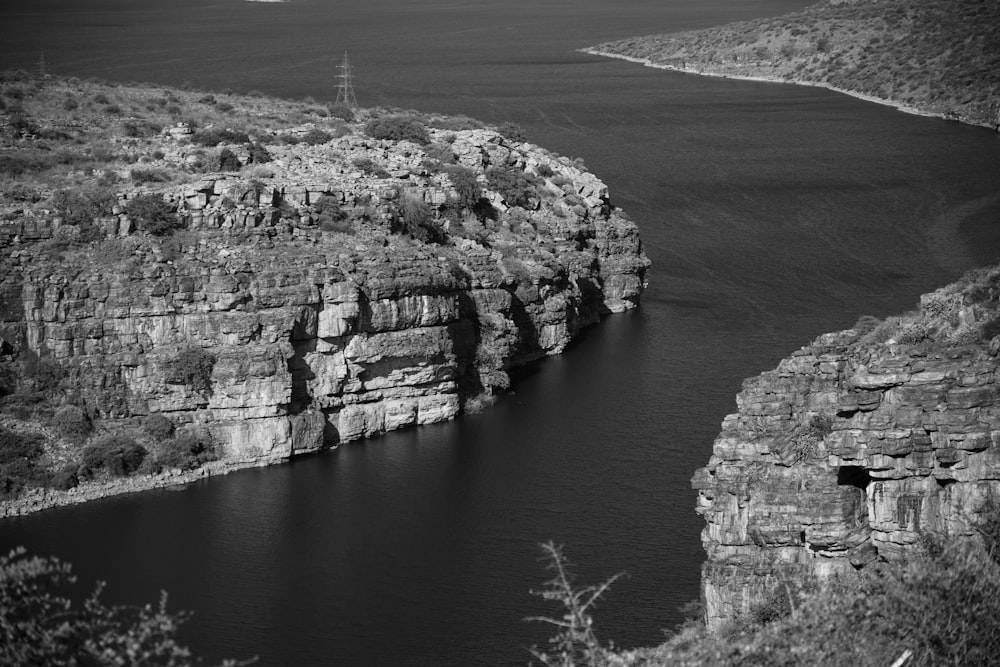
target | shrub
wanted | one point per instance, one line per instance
(258, 154)
(82, 206)
(158, 427)
(212, 137)
(42, 621)
(188, 450)
(397, 128)
(17, 446)
(192, 366)
(440, 153)
(329, 208)
(415, 218)
(72, 423)
(315, 137)
(513, 185)
(342, 112)
(153, 215)
(142, 176)
(370, 167)
(117, 454)
(18, 162)
(990, 328)
(511, 132)
(466, 186)
(228, 161)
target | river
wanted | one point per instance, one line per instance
(771, 213)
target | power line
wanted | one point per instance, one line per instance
(345, 89)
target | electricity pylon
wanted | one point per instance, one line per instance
(345, 89)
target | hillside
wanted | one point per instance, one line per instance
(936, 57)
(191, 282)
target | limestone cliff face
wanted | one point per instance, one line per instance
(852, 448)
(322, 337)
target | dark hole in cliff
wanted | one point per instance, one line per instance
(944, 482)
(6, 349)
(855, 476)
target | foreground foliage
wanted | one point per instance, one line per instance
(942, 607)
(41, 625)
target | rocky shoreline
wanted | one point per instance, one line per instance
(895, 104)
(271, 291)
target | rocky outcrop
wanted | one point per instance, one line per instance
(319, 334)
(853, 448)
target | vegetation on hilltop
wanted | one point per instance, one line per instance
(133, 181)
(940, 57)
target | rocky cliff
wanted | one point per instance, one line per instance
(352, 286)
(853, 448)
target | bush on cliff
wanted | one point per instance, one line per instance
(212, 137)
(398, 128)
(72, 423)
(466, 186)
(153, 215)
(43, 623)
(81, 207)
(19, 454)
(513, 185)
(192, 366)
(158, 427)
(415, 218)
(228, 161)
(117, 454)
(186, 451)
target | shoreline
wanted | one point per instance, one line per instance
(39, 499)
(899, 106)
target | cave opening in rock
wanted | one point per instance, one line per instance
(856, 476)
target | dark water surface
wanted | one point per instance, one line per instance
(771, 213)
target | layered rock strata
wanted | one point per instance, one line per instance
(320, 337)
(853, 448)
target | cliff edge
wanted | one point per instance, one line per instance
(268, 279)
(853, 449)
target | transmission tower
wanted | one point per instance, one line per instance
(345, 89)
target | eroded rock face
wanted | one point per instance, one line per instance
(851, 449)
(320, 337)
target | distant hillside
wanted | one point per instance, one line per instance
(938, 57)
